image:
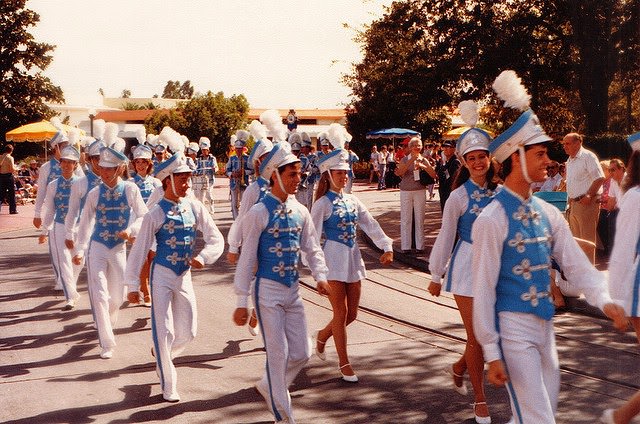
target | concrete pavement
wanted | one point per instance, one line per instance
(51, 371)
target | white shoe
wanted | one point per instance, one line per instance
(460, 389)
(607, 417)
(322, 355)
(254, 331)
(107, 353)
(58, 287)
(348, 378)
(71, 304)
(171, 397)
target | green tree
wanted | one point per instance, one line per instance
(176, 90)
(210, 115)
(134, 106)
(126, 93)
(23, 88)
(424, 54)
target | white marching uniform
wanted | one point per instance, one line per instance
(272, 245)
(119, 208)
(174, 315)
(203, 179)
(460, 211)
(513, 240)
(624, 276)
(337, 217)
(79, 190)
(254, 193)
(56, 209)
(48, 172)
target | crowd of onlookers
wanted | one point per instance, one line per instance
(18, 183)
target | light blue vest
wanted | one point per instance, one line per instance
(478, 199)
(177, 236)
(234, 165)
(92, 181)
(264, 188)
(279, 245)
(145, 185)
(54, 170)
(112, 215)
(205, 166)
(342, 223)
(61, 199)
(523, 282)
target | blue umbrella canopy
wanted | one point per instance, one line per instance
(392, 133)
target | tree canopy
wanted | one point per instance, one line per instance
(176, 90)
(23, 88)
(210, 115)
(424, 55)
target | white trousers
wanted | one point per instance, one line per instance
(174, 321)
(284, 331)
(202, 189)
(64, 268)
(529, 350)
(105, 269)
(236, 198)
(412, 203)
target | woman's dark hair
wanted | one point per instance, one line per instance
(462, 175)
(633, 172)
(149, 166)
(324, 184)
(8, 148)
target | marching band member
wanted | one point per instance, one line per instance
(336, 215)
(204, 177)
(56, 206)
(514, 239)
(473, 190)
(281, 228)
(238, 171)
(112, 211)
(172, 225)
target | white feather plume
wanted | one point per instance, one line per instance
(152, 140)
(141, 134)
(74, 137)
(56, 122)
(85, 141)
(347, 137)
(336, 134)
(257, 130)
(98, 128)
(119, 144)
(232, 139)
(272, 119)
(242, 135)
(170, 138)
(509, 88)
(469, 112)
(185, 141)
(279, 133)
(111, 130)
(295, 138)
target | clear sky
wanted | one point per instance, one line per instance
(279, 54)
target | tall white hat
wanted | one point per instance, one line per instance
(205, 143)
(279, 156)
(70, 153)
(176, 164)
(142, 152)
(474, 138)
(111, 158)
(337, 159)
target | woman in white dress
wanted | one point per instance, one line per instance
(336, 215)
(473, 189)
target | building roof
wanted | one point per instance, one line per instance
(126, 115)
(141, 115)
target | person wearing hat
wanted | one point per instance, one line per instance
(49, 171)
(172, 224)
(79, 190)
(473, 189)
(55, 209)
(336, 216)
(111, 215)
(204, 176)
(281, 229)
(353, 158)
(624, 272)
(307, 163)
(238, 170)
(446, 169)
(160, 154)
(514, 238)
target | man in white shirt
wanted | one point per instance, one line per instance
(553, 177)
(584, 180)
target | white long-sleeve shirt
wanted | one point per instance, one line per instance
(249, 198)
(88, 216)
(78, 191)
(623, 255)
(488, 234)
(258, 215)
(43, 177)
(152, 222)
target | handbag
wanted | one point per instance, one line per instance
(425, 178)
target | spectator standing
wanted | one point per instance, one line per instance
(446, 169)
(383, 155)
(584, 183)
(7, 180)
(609, 200)
(373, 162)
(412, 194)
(553, 177)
